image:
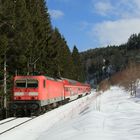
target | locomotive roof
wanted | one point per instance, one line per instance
(55, 79)
(61, 78)
(71, 81)
(74, 82)
(35, 76)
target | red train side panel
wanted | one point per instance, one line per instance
(74, 89)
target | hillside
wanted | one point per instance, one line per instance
(101, 63)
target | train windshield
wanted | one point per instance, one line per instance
(29, 83)
(32, 83)
(20, 83)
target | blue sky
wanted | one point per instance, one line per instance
(95, 23)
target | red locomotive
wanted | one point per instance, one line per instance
(35, 94)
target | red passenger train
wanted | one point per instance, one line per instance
(35, 94)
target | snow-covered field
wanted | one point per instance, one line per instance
(111, 116)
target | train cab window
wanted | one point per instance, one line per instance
(20, 83)
(31, 83)
(44, 83)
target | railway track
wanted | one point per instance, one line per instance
(7, 120)
(13, 123)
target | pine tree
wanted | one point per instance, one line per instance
(78, 68)
(65, 60)
(42, 31)
(60, 56)
(51, 54)
(6, 36)
(48, 53)
(6, 25)
(22, 41)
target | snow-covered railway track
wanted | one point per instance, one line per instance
(9, 125)
(7, 120)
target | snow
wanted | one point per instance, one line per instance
(5, 120)
(113, 115)
(12, 124)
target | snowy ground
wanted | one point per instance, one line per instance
(111, 116)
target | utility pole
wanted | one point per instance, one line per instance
(5, 86)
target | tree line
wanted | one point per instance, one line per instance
(31, 44)
(101, 63)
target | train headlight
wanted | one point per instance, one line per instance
(33, 93)
(18, 93)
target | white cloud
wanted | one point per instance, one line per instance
(103, 7)
(119, 8)
(125, 21)
(115, 32)
(84, 25)
(137, 2)
(128, 8)
(56, 14)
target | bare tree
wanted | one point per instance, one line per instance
(131, 77)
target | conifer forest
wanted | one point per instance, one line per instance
(29, 45)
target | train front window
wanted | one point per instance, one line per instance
(20, 83)
(27, 83)
(31, 83)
